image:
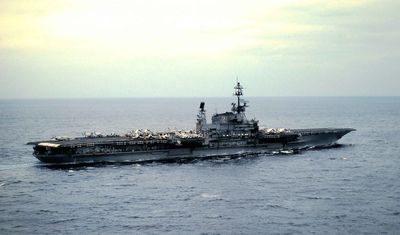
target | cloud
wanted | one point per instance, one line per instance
(349, 29)
(166, 28)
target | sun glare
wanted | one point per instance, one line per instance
(158, 27)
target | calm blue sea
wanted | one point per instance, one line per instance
(352, 189)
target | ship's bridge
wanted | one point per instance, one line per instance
(227, 118)
(234, 122)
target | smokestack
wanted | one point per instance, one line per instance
(202, 104)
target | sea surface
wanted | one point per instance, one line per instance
(350, 189)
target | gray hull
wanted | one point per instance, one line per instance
(309, 138)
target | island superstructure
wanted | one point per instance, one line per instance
(228, 134)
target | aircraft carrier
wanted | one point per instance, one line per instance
(229, 134)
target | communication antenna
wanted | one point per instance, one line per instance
(239, 92)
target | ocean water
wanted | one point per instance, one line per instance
(351, 189)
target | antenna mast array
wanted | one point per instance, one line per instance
(239, 92)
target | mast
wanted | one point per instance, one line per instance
(239, 92)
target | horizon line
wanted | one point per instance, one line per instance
(193, 97)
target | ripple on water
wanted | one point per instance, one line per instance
(351, 189)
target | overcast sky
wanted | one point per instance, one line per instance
(153, 48)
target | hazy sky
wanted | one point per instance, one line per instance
(128, 48)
